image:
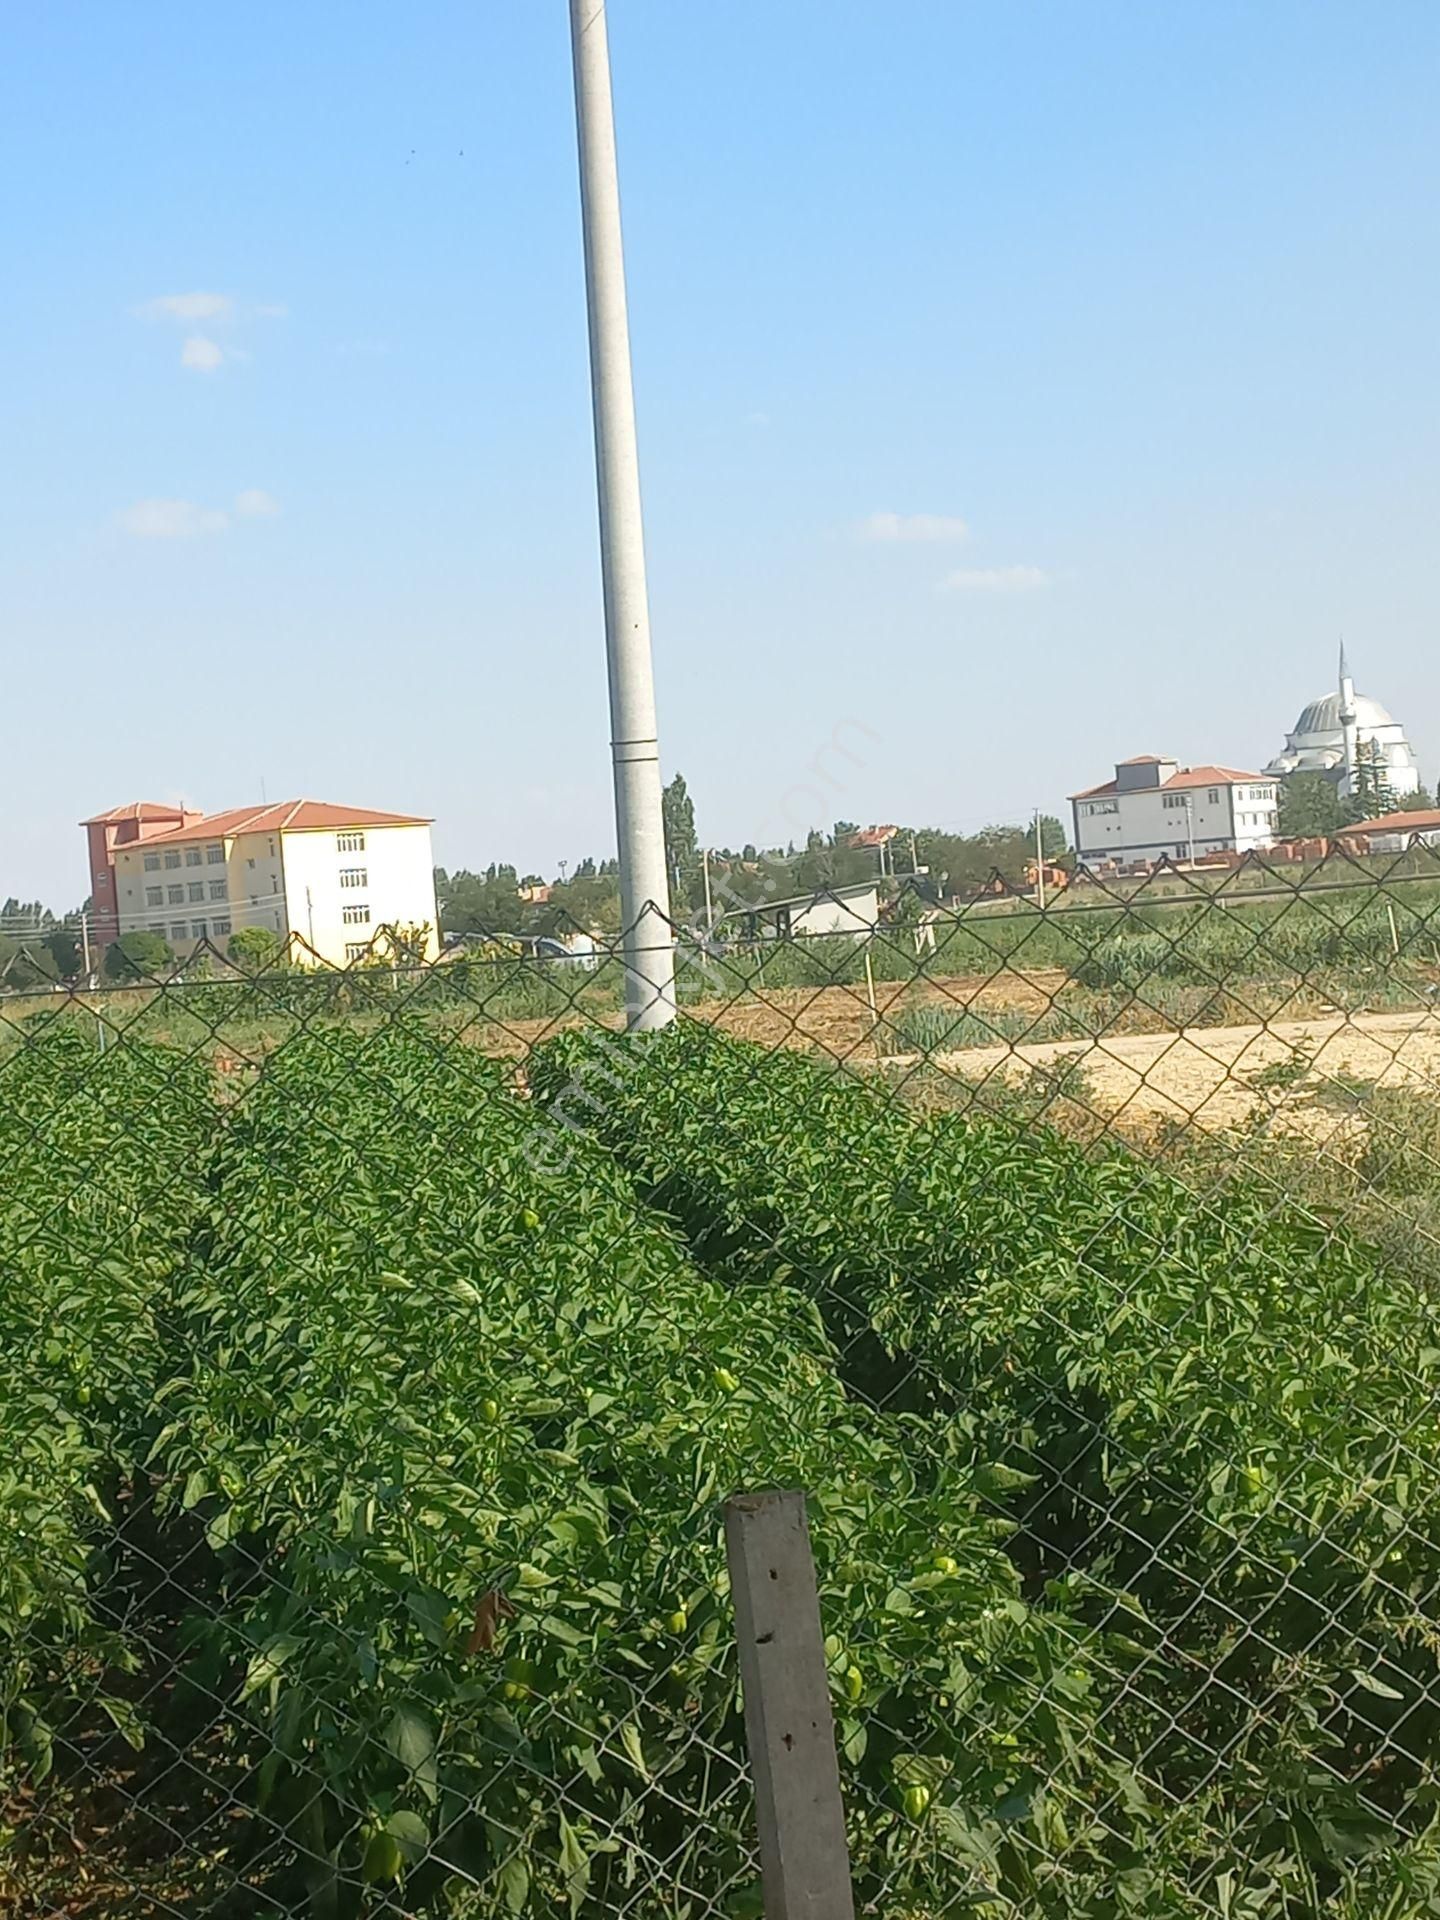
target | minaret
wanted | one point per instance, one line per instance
(1347, 722)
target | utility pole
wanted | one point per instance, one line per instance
(705, 869)
(647, 941)
(1190, 826)
(85, 946)
(310, 916)
(1039, 864)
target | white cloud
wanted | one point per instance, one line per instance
(995, 580)
(255, 504)
(200, 355)
(189, 307)
(171, 520)
(272, 310)
(914, 526)
(216, 312)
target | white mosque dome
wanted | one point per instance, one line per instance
(1323, 715)
(1319, 742)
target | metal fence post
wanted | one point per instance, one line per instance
(788, 1724)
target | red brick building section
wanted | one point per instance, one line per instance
(121, 827)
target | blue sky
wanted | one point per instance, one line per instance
(1035, 385)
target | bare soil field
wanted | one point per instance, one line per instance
(833, 1020)
(1215, 1077)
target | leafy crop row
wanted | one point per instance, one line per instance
(102, 1175)
(1214, 1424)
(423, 1425)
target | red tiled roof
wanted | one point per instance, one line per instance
(1426, 820)
(1144, 760)
(873, 836)
(136, 810)
(284, 816)
(1186, 777)
(1209, 777)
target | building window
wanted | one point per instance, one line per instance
(197, 929)
(220, 928)
(1094, 807)
(355, 916)
(272, 849)
(217, 889)
(1173, 800)
(194, 857)
(152, 863)
(1213, 796)
(215, 855)
(349, 843)
(251, 865)
(354, 877)
(172, 859)
(177, 896)
(177, 930)
(154, 896)
(356, 949)
(197, 889)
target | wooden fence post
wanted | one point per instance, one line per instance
(788, 1724)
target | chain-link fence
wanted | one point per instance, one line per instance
(378, 1348)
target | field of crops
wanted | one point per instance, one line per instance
(367, 1430)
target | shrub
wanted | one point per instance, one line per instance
(138, 956)
(254, 949)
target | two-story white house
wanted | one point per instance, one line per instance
(1154, 807)
(328, 881)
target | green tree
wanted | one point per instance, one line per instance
(138, 956)
(588, 903)
(254, 948)
(1053, 838)
(480, 903)
(26, 965)
(682, 849)
(1311, 807)
(64, 948)
(1371, 793)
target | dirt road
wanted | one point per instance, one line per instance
(1207, 1076)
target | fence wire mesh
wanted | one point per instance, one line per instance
(377, 1348)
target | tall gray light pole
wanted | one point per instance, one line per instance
(647, 942)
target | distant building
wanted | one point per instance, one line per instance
(876, 840)
(107, 832)
(1393, 832)
(1154, 808)
(326, 880)
(1339, 730)
(854, 910)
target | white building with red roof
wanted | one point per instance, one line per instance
(328, 881)
(1155, 808)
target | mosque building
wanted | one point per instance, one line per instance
(1335, 733)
